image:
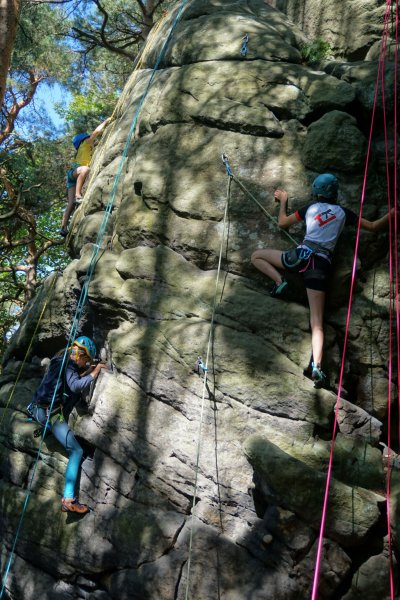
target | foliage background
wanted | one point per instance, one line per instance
(85, 49)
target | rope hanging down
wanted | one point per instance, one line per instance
(396, 247)
(202, 369)
(314, 594)
(85, 285)
(390, 351)
(250, 195)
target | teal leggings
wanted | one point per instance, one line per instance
(66, 437)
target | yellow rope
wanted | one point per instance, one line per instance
(29, 347)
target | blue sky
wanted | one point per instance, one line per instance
(51, 95)
(46, 97)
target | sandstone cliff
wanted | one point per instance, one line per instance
(266, 431)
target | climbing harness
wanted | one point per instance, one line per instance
(244, 49)
(250, 195)
(88, 276)
(380, 76)
(52, 416)
(53, 412)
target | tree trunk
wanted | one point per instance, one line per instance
(9, 10)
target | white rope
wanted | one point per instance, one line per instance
(210, 336)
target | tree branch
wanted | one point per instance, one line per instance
(10, 298)
(91, 37)
(13, 269)
(11, 115)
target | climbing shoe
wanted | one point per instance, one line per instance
(64, 232)
(78, 200)
(279, 289)
(318, 376)
(72, 505)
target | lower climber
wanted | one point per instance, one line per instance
(324, 220)
(70, 385)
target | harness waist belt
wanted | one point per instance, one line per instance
(316, 248)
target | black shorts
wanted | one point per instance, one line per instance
(315, 269)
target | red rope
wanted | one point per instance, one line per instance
(390, 352)
(396, 247)
(329, 472)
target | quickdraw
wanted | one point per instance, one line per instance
(245, 41)
(200, 367)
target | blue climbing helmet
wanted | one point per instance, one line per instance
(84, 343)
(78, 139)
(326, 186)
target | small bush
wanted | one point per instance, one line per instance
(316, 51)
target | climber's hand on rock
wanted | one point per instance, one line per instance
(281, 196)
(97, 369)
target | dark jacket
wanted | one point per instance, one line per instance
(70, 385)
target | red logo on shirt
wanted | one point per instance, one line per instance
(324, 217)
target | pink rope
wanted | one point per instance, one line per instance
(396, 246)
(353, 274)
(390, 357)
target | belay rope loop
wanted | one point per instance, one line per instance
(85, 286)
(202, 369)
(250, 195)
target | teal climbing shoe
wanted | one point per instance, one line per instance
(318, 376)
(279, 289)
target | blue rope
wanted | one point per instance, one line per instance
(85, 286)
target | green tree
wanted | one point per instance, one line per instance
(87, 46)
(107, 36)
(40, 55)
(9, 10)
(32, 193)
(92, 103)
(118, 26)
(32, 198)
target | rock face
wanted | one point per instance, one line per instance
(258, 434)
(352, 27)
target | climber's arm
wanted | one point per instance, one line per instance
(378, 224)
(99, 129)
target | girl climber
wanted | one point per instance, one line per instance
(70, 386)
(324, 220)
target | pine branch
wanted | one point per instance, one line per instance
(11, 114)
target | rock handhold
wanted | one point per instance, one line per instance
(352, 511)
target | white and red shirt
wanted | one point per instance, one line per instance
(325, 222)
